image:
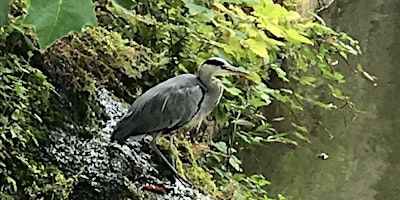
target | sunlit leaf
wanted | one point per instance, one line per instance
(275, 29)
(293, 15)
(307, 80)
(221, 146)
(281, 197)
(241, 34)
(258, 47)
(349, 48)
(360, 68)
(244, 137)
(294, 36)
(38, 117)
(302, 64)
(243, 122)
(235, 163)
(233, 91)
(336, 92)
(369, 77)
(183, 68)
(15, 115)
(195, 9)
(258, 102)
(13, 183)
(254, 77)
(270, 10)
(54, 19)
(263, 127)
(273, 42)
(343, 54)
(281, 73)
(339, 77)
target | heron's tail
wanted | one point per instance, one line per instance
(119, 135)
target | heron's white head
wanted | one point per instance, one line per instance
(219, 66)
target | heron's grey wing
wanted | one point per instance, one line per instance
(163, 108)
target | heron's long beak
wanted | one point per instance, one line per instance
(238, 71)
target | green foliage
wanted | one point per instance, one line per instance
(297, 55)
(24, 100)
(114, 52)
(289, 57)
(231, 183)
(55, 19)
(4, 11)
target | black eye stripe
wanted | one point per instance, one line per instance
(214, 62)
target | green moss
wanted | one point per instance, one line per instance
(191, 169)
(24, 97)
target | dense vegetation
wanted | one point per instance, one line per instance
(138, 44)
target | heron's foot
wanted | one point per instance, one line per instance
(183, 181)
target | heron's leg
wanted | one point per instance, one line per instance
(153, 145)
(171, 150)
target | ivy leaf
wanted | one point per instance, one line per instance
(337, 93)
(256, 102)
(221, 146)
(4, 11)
(294, 36)
(235, 163)
(276, 30)
(38, 117)
(258, 47)
(281, 197)
(303, 66)
(126, 4)
(343, 54)
(15, 115)
(254, 77)
(12, 182)
(339, 77)
(307, 80)
(55, 19)
(233, 91)
(301, 137)
(281, 73)
(243, 122)
(195, 9)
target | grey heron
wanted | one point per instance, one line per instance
(179, 102)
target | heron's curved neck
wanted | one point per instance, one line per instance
(207, 79)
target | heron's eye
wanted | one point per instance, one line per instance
(224, 67)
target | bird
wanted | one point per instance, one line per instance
(179, 102)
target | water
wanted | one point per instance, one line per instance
(364, 153)
(106, 169)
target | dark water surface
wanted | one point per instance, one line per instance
(364, 151)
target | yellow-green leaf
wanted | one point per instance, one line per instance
(275, 29)
(235, 163)
(273, 42)
(294, 36)
(281, 74)
(233, 91)
(258, 102)
(243, 122)
(254, 77)
(293, 15)
(258, 47)
(307, 80)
